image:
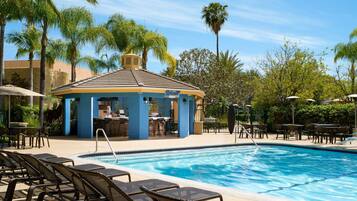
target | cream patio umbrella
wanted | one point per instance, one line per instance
(11, 90)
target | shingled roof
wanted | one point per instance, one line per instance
(127, 79)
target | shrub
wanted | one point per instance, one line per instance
(27, 114)
(342, 114)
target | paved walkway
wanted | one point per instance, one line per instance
(71, 146)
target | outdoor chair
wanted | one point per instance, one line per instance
(182, 194)
(48, 181)
(246, 128)
(324, 133)
(260, 130)
(280, 131)
(31, 134)
(37, 171)
(342, 133)
(31, 177)
(309, 130)
(114, 189)
(9, 168)
(87, 190)
(44, 133)
(7, 136)
(4, 136)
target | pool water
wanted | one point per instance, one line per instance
(289, 172)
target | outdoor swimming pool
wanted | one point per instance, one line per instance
(284, 171)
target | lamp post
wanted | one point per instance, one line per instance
(292, 99)
(354, 97)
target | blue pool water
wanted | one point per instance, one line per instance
(288, 172)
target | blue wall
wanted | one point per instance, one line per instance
(85, 116)
(138, 110)
(66, 116)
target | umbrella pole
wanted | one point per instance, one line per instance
(8, 110)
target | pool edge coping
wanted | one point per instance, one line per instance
(313, 147)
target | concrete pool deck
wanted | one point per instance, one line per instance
(72, 147)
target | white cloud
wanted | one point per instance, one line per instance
(184, 16)
(260, 35)
(273, 17)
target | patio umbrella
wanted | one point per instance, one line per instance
(11, 90)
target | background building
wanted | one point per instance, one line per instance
(17, 73)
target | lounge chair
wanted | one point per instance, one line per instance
(86, 190)
(47, 180)
(182, 194)
(10, 168)
(114, 191)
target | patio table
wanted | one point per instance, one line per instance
(331, 133)
(296, 128)
(17, 131)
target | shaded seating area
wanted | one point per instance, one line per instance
(23, 137)
(317, 133)
(16, 133)
(48, 176)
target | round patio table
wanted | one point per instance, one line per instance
(296, 128)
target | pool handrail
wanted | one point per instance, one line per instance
(106, 138)
(248, 133)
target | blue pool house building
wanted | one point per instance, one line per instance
(131, 102)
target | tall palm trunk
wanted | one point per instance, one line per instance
(2, 38)
(144, 58)
(31, 77)
(217, 46)
(73, 71)
(43, 69)
(73, 63)
(353, 77)
(2, 67)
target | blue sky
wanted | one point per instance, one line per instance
(253, 28)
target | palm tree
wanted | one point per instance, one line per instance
(27, 42)
(9, 11)
(104, 62)
(45, 13)
(230, 61)
(144, 41)
(353, 34)
(214, 16)
(55, 50)
(110, 63)
(171, 65)
(120, 30)
(348, 51)
(77, 27)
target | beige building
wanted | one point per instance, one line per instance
(56, 75)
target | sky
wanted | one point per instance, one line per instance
(254, 27)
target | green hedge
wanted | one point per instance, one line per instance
(304, 114)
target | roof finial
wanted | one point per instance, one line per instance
(131, 61)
